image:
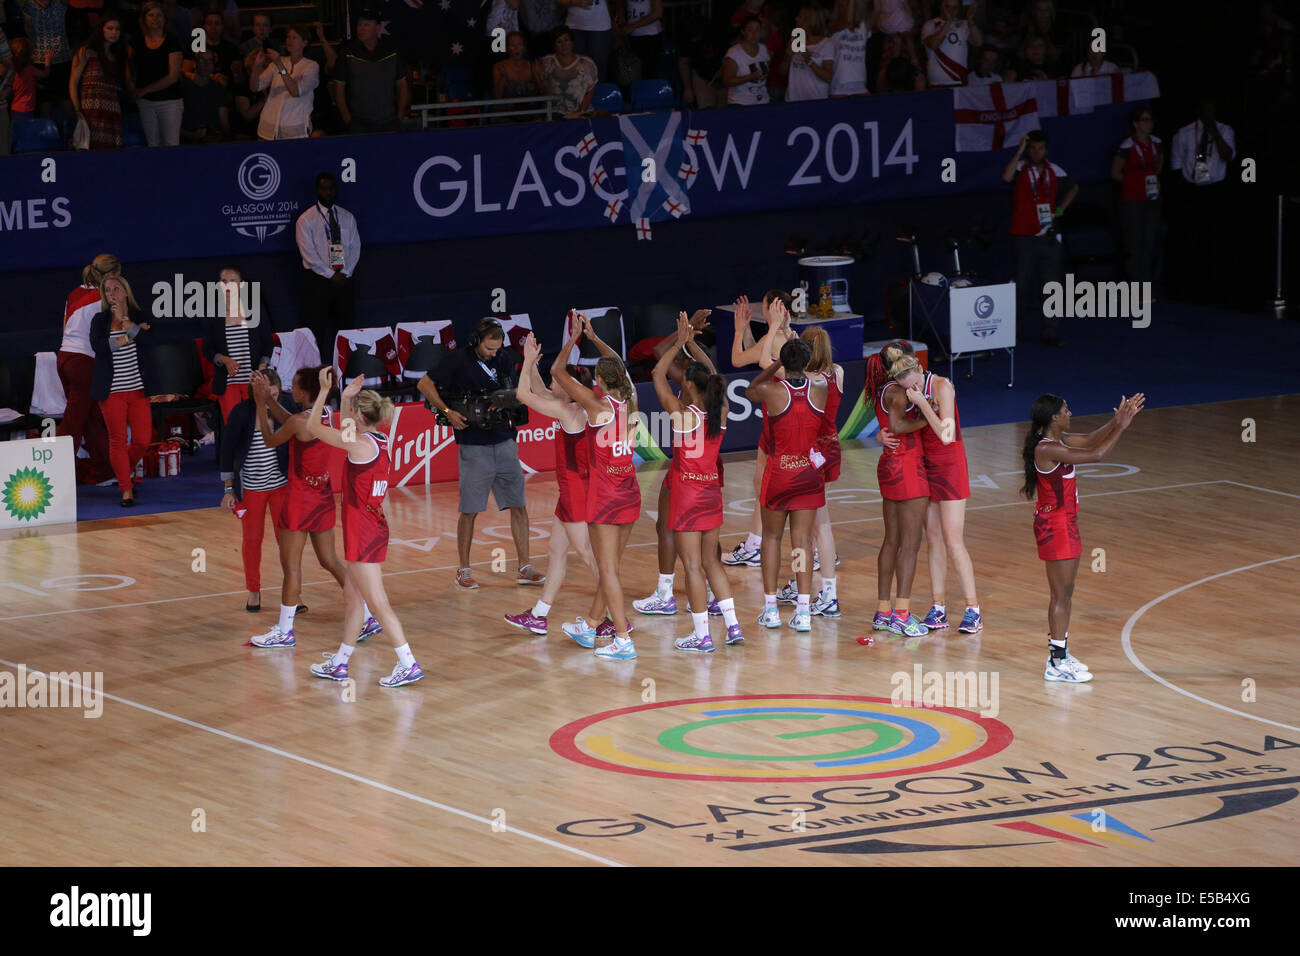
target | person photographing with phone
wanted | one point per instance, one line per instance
(746, 66)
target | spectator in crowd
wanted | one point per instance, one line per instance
(749, 8)
(488, 458)
(207, 103)
(897, 18)
(775, 29)
(849, 30)
(46, 23)
(237, 342)
(1041, 192)
(76, 366)
(330, 247)
(290, 82)
(1137, 167)
(948, 38)
(592, 31)
(567, 75)
(254, 480)
(699, 58)
(812, 69)
(248, 103)
(25, 79)
(123, 377)
(1095, 64)
(369, 83)
(897, 74)
(988, 69)
(178, 23)
(325, 117)
(745, 68)
(156, 61)
(513, 77)
(1032, 64)
(214, 28)
(503, 14)
(644, 29)
(540, 17)
(85, 19)
(1041, 21)
(98, 69)
(6, 89)
(229, 13)
(1201, 152)
(261, 33)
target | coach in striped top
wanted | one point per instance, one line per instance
(235, 343)
(123, 380)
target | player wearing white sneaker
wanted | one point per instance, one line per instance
(1056, 522)
(698, 417)
(569, 527)
(828, 443)
(365, 528)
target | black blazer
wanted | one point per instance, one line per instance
(214, 344)
(101, 383)
(237, 436)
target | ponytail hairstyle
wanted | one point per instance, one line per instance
(878, 365)
(795, 356)
(372, 407)
(1040, 419)
(772, 294)
(101, 267)
(712, 389)
(308, 379)
(819, 340)
(612, 375)
(900, 362)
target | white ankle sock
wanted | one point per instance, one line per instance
(769, 601)
(701, 622)
(365, 610)
(728, 608)
(287, 611)
(405, 656)
(665, 588)
(344, 652)
(828, 590)
(540, 609)
(709, 596)
(753, 542)
(801, 604)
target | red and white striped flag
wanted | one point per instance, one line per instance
(993, 117)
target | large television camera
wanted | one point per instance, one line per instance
(489, 409)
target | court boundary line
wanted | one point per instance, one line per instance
(337, 771)
(1126, 638)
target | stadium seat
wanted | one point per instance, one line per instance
(651, 95)
(36, 136)
(607, 97)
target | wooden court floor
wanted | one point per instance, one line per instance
(787, 750)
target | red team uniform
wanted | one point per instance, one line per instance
(365, 529)
(828, 441)
(1056, 519)
(572, 460)
(791, 482)
(613, 495)
(901, 474)
(695, 478)
(309, 503)
(945, 465)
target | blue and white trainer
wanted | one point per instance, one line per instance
(910, 627)
(735, 635)
(692, 642)
(621, 649)
(936, 619)
(714, 610)
(886, 622)
(369, 629)
(971, 622)
(1066, 671)
(580, 631)
(402, 675)
(274, 638)
(788, 594)
(741, 555)
(822, 608)
(330, 670)
(770, 617)
(801, 621)
(656, 604)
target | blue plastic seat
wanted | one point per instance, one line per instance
(36, 136)
(608, 97)
(651, 95)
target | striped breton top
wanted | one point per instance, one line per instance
(237, 348)
(260, 471)
(126, 368)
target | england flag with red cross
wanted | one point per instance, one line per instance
(994, 117)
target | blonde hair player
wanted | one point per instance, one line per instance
(365, 529)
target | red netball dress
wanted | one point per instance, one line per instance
(791, 482)
(695, 480)
(571, 466)
(365, 529)
(309, 503)
(901, 473)
(945, 465)
(1056, 519)
(613, 495)
(828, 440)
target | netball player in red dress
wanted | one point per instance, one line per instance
(1050, 454)
(571, 463)
(793, 484)
(904, 486)
(365, 529)
(613, 494)
(309, 501)
(945, 519)
(699, 421)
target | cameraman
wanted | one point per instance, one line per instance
(486, 456)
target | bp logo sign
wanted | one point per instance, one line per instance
(27, 494)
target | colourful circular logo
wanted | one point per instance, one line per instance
(792, 737)
(27, 494)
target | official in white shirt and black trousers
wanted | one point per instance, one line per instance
(1201, 151)
(330, 248)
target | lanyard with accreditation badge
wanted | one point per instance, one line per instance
(334, 239)
(1044, 209)
(1151, 179)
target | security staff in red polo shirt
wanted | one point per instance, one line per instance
(1037, 191)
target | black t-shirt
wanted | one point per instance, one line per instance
(461, 372)
(237, 122)
(202, 101)
(151, 66)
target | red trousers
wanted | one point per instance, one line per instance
(82, 418)
(122, 409)
(251, 512)
(233, 395)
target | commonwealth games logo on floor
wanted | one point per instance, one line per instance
(787, 738)
(27, 494)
